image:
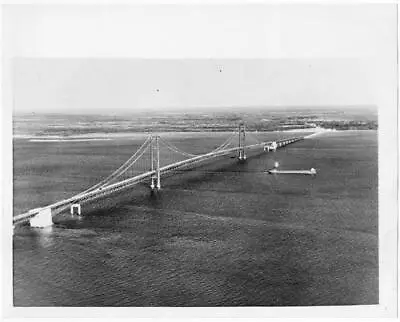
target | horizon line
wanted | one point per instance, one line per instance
(196, 109)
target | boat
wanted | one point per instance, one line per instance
(275, 170)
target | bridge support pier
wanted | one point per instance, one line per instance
(155, 183)
(271, 146)
(42, 219)
(76, 209)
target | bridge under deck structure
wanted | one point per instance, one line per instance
(123, 178)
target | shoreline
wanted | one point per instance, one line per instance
(101, 136)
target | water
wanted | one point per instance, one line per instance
(225, 234)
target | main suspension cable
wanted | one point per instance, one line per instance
(226, 143)
(176, 149)
(123, 167)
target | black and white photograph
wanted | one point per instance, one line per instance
(213, 156)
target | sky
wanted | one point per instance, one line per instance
(97, 58)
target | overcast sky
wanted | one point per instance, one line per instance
(91, 57)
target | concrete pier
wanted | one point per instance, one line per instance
(272, 146)
(76, 209)
(42, 219)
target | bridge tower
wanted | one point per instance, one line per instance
(155, 162)
(242, 143)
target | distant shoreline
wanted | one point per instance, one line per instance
(101, 136)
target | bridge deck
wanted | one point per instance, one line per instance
(62, 205)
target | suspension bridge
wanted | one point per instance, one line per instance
(147, 165)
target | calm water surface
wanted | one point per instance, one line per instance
(224, 234)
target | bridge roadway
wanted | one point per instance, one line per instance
(62, 205)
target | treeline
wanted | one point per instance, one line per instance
(218, 124)
(348, 125)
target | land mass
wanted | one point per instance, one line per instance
(44, 124)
